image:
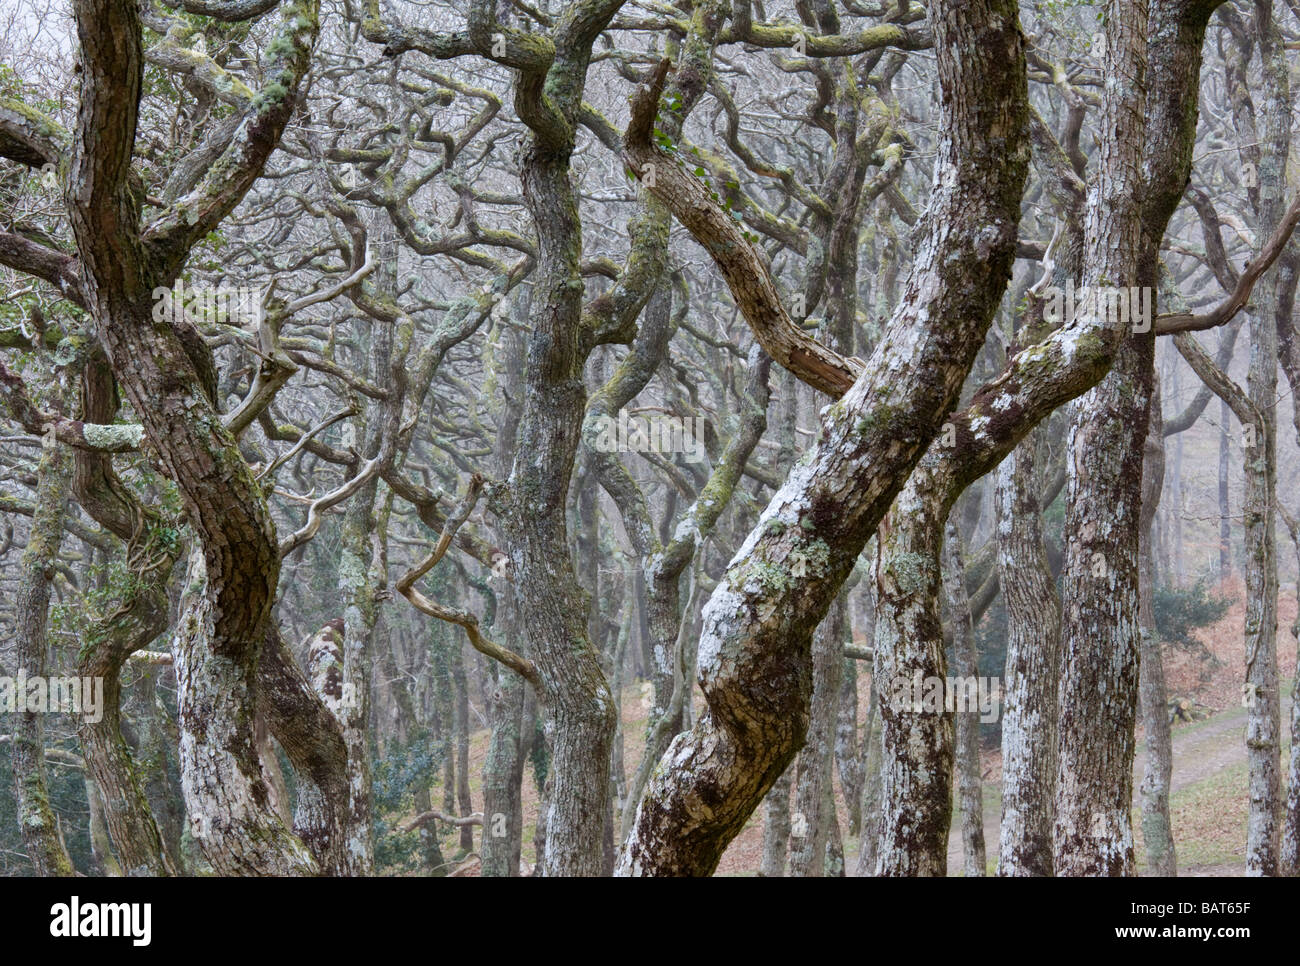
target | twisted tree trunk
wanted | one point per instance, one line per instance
(167, 373)
(136, 620)
(755, 661)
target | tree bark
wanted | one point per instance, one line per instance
(754, 654)
(776, 826)
(814, 809)
(532, 504)
(1290, 853)
(167, 373)
(1100, 640)
(970, 788)
(1225, 508)
(36, 820)
(138, 618)
(869, 843)
(1263, 697)
(1029, 711)
(1153, 701)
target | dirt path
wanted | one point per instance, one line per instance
(1200, 751)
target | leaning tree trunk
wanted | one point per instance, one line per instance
(167, 373)
(102, 861)
(755, 650)
(128, 816)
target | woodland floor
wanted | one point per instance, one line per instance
(1208, 800)
(1208, 788)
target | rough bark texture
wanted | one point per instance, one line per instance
(1263, 697)
(916, 773)
(754, 655)
(1225, 507)
(814, 807)
(503, 771)
(1029, 709)
(1290, 852)
(531, 506)
(776, 826)
(40, 829)
(1093, 834)
(970, 788)
(918, 747)
(1289, 355)
(848, 763)
(303, 722)
(166, 372)
(1099, 683)
(138, 618)
(1157, 831)
(503, 768)
(870, 807)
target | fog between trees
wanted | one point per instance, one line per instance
(622, 437)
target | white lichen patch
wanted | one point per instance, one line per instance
(113, 437)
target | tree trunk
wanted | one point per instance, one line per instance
(970, 787)
(36, 819)
(1029, 710)
(848, 763)
(1153, 701)
(1290, 860)
(167, 373)
(1262, 695)
(103, 862)
(814, 802)
(755, 649)
(776, 826)
(918, 748)
(503, 771)
(1100, 639)
(531, 505)
(869, 842)
(464, 803)
(1225, 508)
